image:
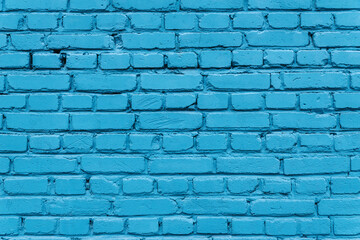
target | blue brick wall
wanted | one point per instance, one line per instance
(179, 119)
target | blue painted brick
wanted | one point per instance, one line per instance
(145, 20)
(111, 21)
(179, 119)
(40, 225)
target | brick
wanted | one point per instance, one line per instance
(52, 5)
(41, 122)
(173, 185)
(144, 206)
(80, 41)
(280, 100)
(346, 142)
(70, 186)
(312, 57)
(314, 141)
(108, 225)
(171, 82)
(104, 83)
(214, 21)
(105, 185)
(212, 101)
(242, 185)
(113, 61)
(283, 20)
(315, 101)
(316, 165)
(280, 4)
(14, 60)
(209, 142)
(249, 165)
(46, 61)
(160, 165)
(43, 102)
(76, 102)
(237, 120)
(212, 225)
(248, 20)
(20, 206)
(13, 143)
(246, 142)
(74, 226)
(28, 41)
(312, 226)
(144, 142)
(116, 102)
(77, 22)
(279, 57)
(40, 225)
(286, 227)
(335, 207)
(151, 60)
(182, 60)
(138, 185)
(349, 120)
(279, 38)
(346, 226)
(316, 20)
(42, 83)
(43, 165)
(332, 4)
(246, 101)
(177, 142)
(215, 59)
(77, 206)
(214, 206)
(246, 226)
(245, 81)
(45, 142)
(212, 5)
(208, 185)
(148, 40)
(111, 21)
(9, 225)
(108, 164)
(42, 21)
(311, 186)
(143, 226)
(303, 121)
(347, 19)
(110, 142)
(336, 39)
(81, 61)
(177, 225)
(206, 40)
(247, 58)
(276, 185)
(26, 185)
(170, 121)
(179, 21)
(284, 207)
(152, 5)
(11, 21)
(145, 20)
(315, 80)
(345, 58)
(88, 5)
(342, 185)
(12, 101)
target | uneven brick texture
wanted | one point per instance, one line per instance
(179, 119)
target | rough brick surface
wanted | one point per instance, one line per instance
(179, 119)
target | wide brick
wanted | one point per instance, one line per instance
(282, 207)
(39, 122)
(316, 165)
(161, 165)
(144, 206)
(102, 121)
(170, 121)
(104, 83)
(248, 165)
(109, 164)
(245, 81)
(316, 80)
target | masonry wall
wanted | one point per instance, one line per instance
(179, 119)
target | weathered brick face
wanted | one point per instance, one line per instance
(179, 119)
